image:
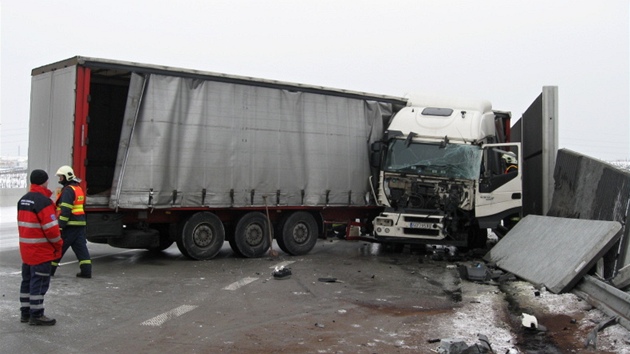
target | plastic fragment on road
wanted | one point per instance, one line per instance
(479, 272)
(529, 321)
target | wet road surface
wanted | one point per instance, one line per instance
(380, 302)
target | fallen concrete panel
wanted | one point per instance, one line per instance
(554, 252)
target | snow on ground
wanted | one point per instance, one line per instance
(615, 338)
(483, 316)
(484, 311)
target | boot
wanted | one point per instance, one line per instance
(86, 271)
(41, 321)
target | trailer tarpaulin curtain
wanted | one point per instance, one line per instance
(241, 142)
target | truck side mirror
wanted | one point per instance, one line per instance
(376, 150)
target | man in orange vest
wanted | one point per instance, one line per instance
(40, 243)
(72, 221)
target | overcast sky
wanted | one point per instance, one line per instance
(502, 51)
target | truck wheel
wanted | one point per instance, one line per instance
(251, 235)
(279, 239)
(298, 233)
(234, 247)
(202, 236)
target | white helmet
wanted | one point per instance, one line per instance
(510, 158)
(67, 172)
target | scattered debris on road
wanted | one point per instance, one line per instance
(281, 272)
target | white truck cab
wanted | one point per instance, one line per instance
(446, 174)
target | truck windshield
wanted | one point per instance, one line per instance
(451, 161)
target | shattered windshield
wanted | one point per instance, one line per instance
(451, 160)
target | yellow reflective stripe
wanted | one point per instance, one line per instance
(63, 218)
(55, 264)
(76, 223)
(65, 205)
(89, 261)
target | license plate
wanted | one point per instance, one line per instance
(421, 225)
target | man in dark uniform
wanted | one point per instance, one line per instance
(40, 243)
(72, 221)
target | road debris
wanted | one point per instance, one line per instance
(452, 346)
(574, 245)
(591, 339)
(329, 280)
(459, 346)
(529, 321)
(478, 272)
(281, 272)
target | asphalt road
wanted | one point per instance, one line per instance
(139, 301)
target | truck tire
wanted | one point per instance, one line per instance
(251, 235)
(298, 233)
(202, 236)
(234, 247)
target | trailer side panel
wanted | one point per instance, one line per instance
(199, 142)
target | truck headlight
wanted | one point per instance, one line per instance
(383, 222)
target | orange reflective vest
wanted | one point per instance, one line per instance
(70, 206)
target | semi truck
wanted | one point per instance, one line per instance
(200, 158)
(170, 155)
(447, 173)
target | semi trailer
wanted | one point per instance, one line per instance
(200, 158)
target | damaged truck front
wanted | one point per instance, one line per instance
(446, 174)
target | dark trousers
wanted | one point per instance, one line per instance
(35, 283)
(74, 237)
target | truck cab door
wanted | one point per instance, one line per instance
(499, 192)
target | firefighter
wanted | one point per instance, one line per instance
(72, 221)
(40, 243)
(510, 162)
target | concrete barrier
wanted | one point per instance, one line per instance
(10, 196)
(587, 188)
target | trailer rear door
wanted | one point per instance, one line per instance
(51, 129)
